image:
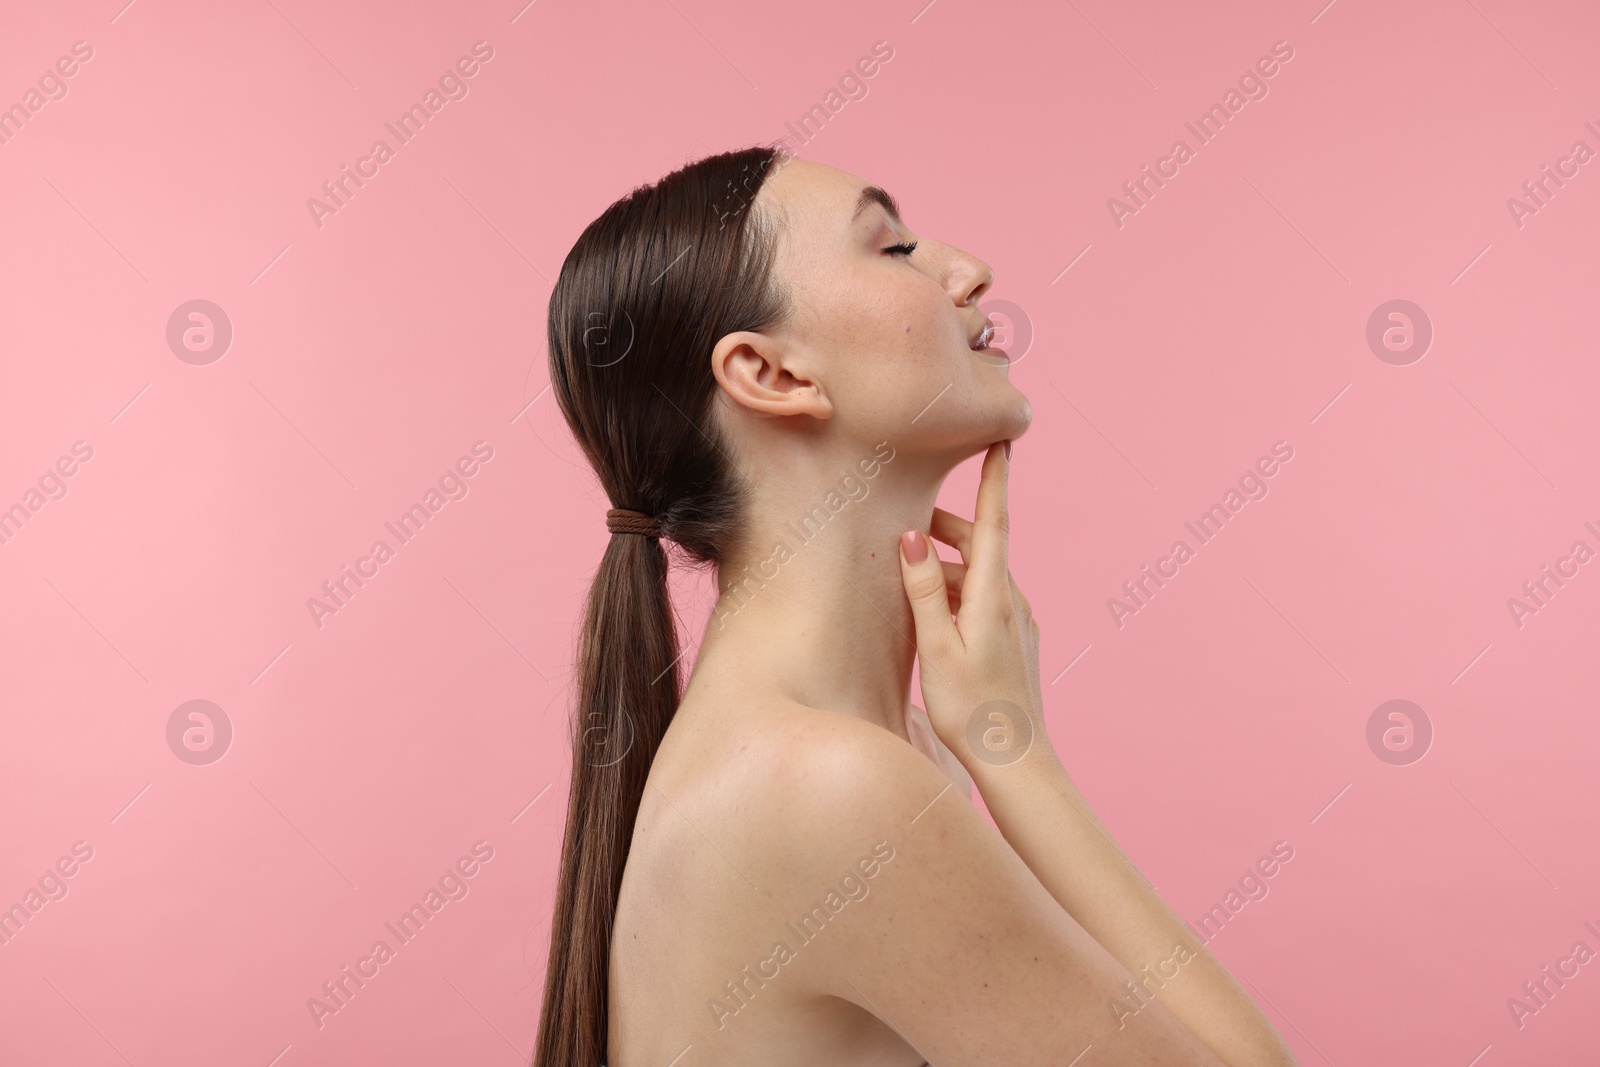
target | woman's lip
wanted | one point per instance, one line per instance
(980, 345)
(993, 356)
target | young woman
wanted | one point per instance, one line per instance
(782, 865)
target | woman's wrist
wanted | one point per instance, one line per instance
(1038, 767)
(1005, 742)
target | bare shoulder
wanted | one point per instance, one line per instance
(794, 791)
(820, 789)
(827, 778)
(884, 887)
(837, 748)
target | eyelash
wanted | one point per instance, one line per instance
(901, 250)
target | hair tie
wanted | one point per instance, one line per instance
(628, 521)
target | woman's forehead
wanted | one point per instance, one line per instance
(820, 206)
(815, 189)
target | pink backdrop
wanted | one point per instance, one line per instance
(349, 359)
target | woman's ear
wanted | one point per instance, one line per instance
(759, 376)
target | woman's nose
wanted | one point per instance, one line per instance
(970, 278)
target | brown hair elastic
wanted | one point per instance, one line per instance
(626, 520)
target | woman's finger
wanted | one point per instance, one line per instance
(923, 578)
(954, 531)
(1024, 608)
(988, 580)
(954, 575)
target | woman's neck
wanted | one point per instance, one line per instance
(813, 606)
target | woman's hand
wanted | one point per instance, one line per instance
(977, 641)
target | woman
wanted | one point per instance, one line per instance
(768, 369)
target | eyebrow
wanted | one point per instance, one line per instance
(874, 195)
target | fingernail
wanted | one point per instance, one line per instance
(1008, 451)
(913, 545)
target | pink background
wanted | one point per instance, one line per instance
(428, 714)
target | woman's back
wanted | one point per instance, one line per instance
(721, 931)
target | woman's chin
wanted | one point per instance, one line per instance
(1001, 415)
(1016, 416)
(1007, 425)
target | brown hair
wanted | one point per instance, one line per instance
(644, 295)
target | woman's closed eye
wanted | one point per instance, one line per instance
(901, 249)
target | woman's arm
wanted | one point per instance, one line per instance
(942, 932)
(1043, 816)
(983, 664)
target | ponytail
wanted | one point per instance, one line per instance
(627, 691)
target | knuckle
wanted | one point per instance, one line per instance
(1005, 610)
(925, 589)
